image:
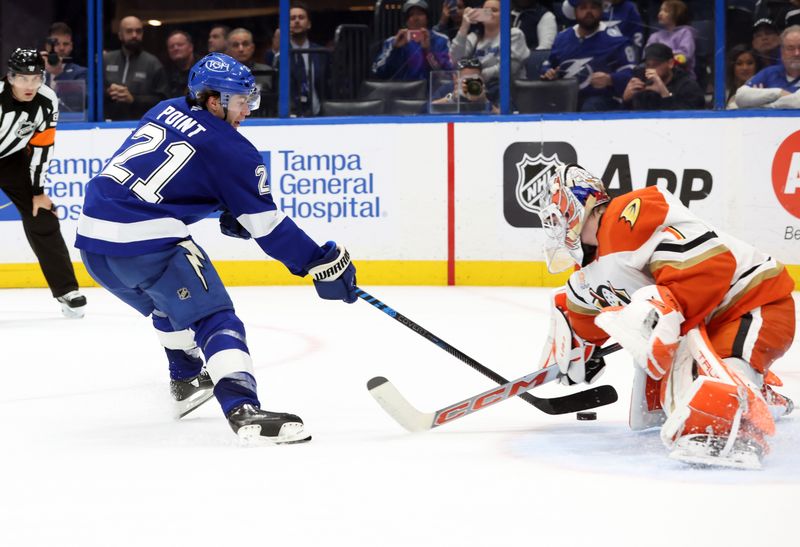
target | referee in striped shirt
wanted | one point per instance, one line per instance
(28, 117)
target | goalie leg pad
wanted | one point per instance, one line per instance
(645, 410)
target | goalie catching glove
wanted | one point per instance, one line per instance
(572, 353)
(649, 328)
(334, 275)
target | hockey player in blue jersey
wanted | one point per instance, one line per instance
(598, 56)
(184, 161)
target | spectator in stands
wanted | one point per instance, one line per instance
(240, 46)
(676, 33)
(776, 86)
(270, 57)
(767, 41)
(484, 45)
(661, 84)
(743, 63)
(598, 56)
(784, 13)
(469, 91)
(59, 41)
(414, 51)
(622, 14)
(180, 49)
(135, 80)
(450, 20)
(310, 71)
(218, 39)
(536, 21)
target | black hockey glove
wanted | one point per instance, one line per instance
(231, 227)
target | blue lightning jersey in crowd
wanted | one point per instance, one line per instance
(774, 76)
(180, 165)
(626, 18)
(607, 50)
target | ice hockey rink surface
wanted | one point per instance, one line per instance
(92, 456)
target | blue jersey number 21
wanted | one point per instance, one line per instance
(150, 137)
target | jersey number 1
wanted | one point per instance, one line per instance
(150, 137)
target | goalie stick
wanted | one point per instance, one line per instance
(575, 402)
(404, 413)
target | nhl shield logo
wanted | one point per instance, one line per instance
(528, 168)
(533, 178)
(25, 129)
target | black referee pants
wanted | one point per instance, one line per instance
(43, 231)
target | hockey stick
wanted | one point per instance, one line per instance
(590, 398)
(404, 413)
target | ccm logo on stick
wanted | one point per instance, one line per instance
(490, 397)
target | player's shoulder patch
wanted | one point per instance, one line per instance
(631, 219)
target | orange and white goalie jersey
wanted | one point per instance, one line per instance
(648, 237)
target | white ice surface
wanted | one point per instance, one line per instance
(91, 456)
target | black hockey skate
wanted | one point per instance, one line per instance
(73, 304)
(254, 426)
(190, 394)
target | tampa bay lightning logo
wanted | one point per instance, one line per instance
(217, 65)
(578, 69)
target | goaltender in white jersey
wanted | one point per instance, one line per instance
(703, 314)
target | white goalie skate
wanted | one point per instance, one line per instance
(712, 451)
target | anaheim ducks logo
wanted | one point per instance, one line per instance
(608, 295)
(630, 213)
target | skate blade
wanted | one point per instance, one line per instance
(734, 461)
(73, 313)
(290, 433)
(190, 404)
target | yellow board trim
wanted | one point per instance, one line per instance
(370, 272)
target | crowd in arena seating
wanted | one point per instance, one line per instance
(618, 54)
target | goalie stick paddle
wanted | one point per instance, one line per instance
(404, 413)
(575, 402)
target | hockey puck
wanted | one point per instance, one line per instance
(584, 416)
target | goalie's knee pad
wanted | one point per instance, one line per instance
(720, 409)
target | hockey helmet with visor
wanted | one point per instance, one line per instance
(26, 61)
(568, 201)
(225, 75)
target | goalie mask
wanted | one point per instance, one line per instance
(567, 203)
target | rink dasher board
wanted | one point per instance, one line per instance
(389, 193)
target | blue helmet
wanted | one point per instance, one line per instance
(224, 74)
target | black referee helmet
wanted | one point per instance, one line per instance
(26, 61)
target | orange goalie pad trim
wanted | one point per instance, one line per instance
(44, 138)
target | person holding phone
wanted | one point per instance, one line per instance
(415, 50)
(450, 20)
(484, 45)
(661, 84)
